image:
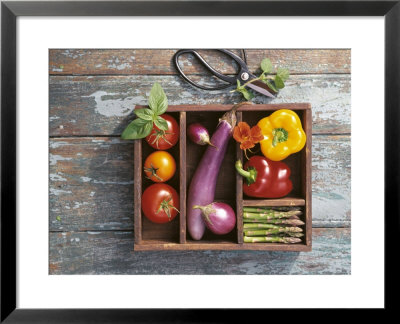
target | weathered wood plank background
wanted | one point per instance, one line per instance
(92, 97)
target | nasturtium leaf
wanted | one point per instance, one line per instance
(283, 74)
(239, 86)
(247, 94)
(278, 82)
(271, 85)
(266, 65)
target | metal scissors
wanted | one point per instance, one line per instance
(243, 74)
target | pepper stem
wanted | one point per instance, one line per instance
(250, 174)
(280, 135)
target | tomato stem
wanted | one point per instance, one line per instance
(160, 134)
(166, 207)
(153, 172)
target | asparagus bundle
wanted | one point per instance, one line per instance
(262, 224)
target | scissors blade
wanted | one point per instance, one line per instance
(261, 87)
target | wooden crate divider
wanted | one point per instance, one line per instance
(182, 177)
(239, 190)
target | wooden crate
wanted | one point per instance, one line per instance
(174, 235)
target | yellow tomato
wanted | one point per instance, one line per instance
(159, 166)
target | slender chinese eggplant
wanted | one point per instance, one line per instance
(202, 187)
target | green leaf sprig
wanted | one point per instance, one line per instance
(146, 117)
(275, 83)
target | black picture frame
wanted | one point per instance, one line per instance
(11, 10)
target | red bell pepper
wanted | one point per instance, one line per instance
(265, 178)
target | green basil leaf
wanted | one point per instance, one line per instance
(161, 123)
(158, 101)
(144, 113)
(138, 128)
(271, 86)
(266, 65)
(283, 74)
(278, 82)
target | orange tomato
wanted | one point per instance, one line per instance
(159, 166)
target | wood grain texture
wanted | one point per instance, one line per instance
(96, 252)
(331, 180)
(91, 183)
(91, 179)
(150, 61)
(103, 105)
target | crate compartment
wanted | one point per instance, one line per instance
(294, 161)
(301, 217)
(225, 190)
(167, 232)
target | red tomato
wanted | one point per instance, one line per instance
(160, 203)
(161, 139)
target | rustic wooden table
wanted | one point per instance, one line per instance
(92, 97)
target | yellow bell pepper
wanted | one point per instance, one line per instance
(283, 134)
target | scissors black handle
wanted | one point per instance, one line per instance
(229, 79)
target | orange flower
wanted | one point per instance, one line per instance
(247, 137)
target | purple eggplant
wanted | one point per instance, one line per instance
(202, 187)
(218, 217)
(199, 134)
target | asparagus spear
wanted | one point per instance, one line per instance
(264, 220)
(294, 234)
(269, 209)
(262, 225)
(294, 222)
(272, 231)
(286, 208)
(275, 239)
(272, 214)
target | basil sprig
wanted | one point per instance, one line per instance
(274, 83)
(146, 117)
